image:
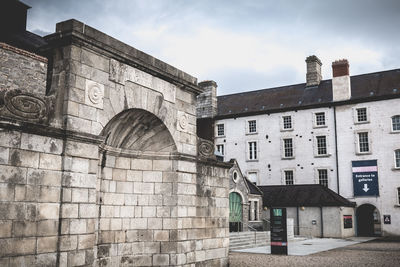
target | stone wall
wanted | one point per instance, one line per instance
(109, 170)
(20, 69)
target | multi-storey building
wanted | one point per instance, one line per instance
(343, 133)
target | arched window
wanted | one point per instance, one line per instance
(397, 158)
(396, 123)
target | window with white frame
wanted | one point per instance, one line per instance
(252, 124)
(252, 176)
(253, 210)
(397, 158)
(252, 150)
(320, 119)
(398, 195)
(288, 148)
(220, 129)
(361, 115)
(396, 123)
(321, 145)
(363, 142)
(221, 149)
(323, 177)
(289, 179)
(287, 122)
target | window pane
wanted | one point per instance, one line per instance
(289, 177)
(220, 149)
(321, 145)
(255, 210)
(396, 123)
(252, 127)
(288, 147)
(362, 114)
(323, 177)
(220, 129)
(252, 150)
(363, 142)
(252, 176)
(398, 195)
(320, 118)
(287, 122)
(397, 158)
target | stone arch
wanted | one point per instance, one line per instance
(368, 220)
(138, 130)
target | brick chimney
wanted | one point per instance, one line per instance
(341, 87)
(313, 76)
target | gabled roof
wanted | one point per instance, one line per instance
(306, 195)
(366, 87)
(253, 189)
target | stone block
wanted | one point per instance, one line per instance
(127, 211)
(161, 235)
(72, 108)
(134, 176)
(93, 166)
(162, 165)
(86, 241)
(170, 223)
(41, 143)
(4, 155)
(46, 259)
(87, 210)
(24, 228)
(44, 177)
(163, 189)
(48, 211)
(80, 195)
(137, 260)
(5, 228)
(161, 260)
(122, 163)
(47, 227)
(69, 210)
(148, 211)
(87, 112)
(79, 149)
(77, 226)
(49, 194)
(152, 176)
(47, 244)
(24, 158)
(7, 192)
(77, 258)
(163, 212)
(154, 223)
(78, 124)
(80, 165)
(17, 246)
(131, 236)
(139, 223)
(119, 174)
(143, 188)
(187, 189)
(186, 166)
(124, 187)
(142, 164)
(10, 138)
(115, 224)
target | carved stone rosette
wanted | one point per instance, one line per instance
(25, 106)
(205, 148)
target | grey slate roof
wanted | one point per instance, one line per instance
(365, 87)
(307, 195)
(252, 187)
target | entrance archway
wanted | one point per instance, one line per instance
(235, 212)
(368, 220)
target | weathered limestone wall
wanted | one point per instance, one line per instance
(108, 170)
(30, 190)
(20, 69)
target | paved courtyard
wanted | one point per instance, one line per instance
(377, 252)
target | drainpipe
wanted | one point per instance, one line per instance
(298, 223)
(322, 222)
(336, 151)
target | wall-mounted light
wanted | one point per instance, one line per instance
(302, 208)
(265, 208)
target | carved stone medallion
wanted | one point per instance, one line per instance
(94, 94)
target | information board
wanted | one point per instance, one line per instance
(387, 219)
(348, 221)
(365, 178)
(279, 243)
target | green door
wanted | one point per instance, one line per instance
(235, 207)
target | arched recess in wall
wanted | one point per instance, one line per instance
(138, 130)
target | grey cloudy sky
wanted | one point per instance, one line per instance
(242, 45)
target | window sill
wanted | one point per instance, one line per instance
(361, 122)
(394, 132)
(322, 156)
(363, 153)
(395, 169)
(255, 221)
(320, 126)
(220, 136)
(287, 130)
(397, 205)
(251, 133)
(251, 160)
(287, 158)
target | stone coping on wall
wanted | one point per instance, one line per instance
(73, 31)
(22, 52)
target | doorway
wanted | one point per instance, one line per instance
(235, 212)
(368, 220)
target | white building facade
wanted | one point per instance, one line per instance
(343, 133)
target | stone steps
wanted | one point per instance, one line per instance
(247, 239)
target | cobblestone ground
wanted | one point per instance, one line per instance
(379, 252)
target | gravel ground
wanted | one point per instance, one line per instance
(379, 252)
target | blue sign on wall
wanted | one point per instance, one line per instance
(365, 178)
